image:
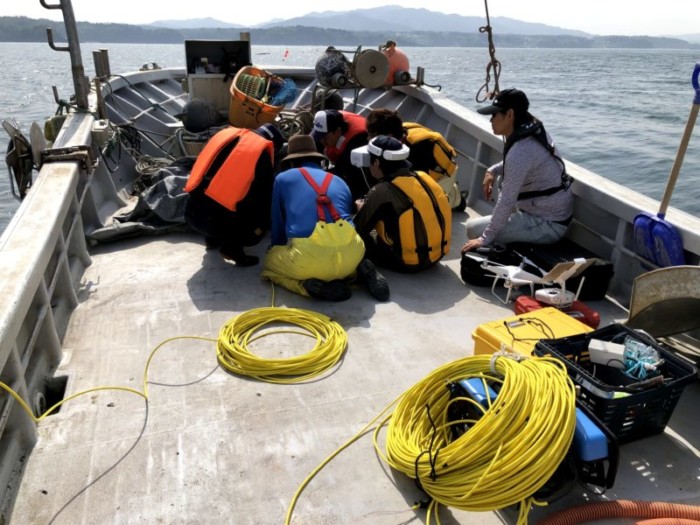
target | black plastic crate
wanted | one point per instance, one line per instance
(630, 413)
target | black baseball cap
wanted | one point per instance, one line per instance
(507, 99)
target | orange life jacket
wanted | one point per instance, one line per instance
(231, 182)
(356, 124)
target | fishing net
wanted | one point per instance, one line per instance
(282, 91)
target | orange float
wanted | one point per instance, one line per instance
(399, 68)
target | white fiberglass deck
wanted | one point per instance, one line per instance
(211, 447)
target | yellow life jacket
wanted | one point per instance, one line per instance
(426, 227)
(430, 152)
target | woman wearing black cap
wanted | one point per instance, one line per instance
(230, 190)
(535, 202)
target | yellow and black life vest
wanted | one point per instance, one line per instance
(227, 165)
(426, 227)
(430, 152)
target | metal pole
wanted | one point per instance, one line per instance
(81, 90)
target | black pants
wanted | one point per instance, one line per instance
(383, 256)
(228, 229)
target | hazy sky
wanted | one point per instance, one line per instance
(600, 17)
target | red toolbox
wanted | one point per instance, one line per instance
(577, 310)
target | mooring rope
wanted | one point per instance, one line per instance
(493, 66)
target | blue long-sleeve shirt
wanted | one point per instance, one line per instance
(294, 209)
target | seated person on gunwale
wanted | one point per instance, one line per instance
(535, 202)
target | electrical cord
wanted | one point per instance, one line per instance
(504, 458)
(236, 335)
(143, 393)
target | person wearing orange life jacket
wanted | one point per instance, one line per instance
(338, 133)
(230, 188)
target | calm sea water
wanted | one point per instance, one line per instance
(619, 113)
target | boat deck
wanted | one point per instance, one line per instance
(212, 447)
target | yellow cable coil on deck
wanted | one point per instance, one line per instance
(236, 334)
(505, 456)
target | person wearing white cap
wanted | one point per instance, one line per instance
(337, 133)
(430, 151)
(405, 220)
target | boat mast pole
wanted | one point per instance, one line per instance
(73, 47)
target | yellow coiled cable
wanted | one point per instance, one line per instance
(233, 354)
(232, 348)
(505, 456)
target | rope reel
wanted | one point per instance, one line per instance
(333, 69)
(370, 68)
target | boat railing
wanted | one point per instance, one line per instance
(43, 254)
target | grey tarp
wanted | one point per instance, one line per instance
(160, 208)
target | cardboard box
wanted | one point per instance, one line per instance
(597, 276)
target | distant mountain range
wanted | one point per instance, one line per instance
(410, 27)
(390, 19)
(396, 19)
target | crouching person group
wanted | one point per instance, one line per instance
(320, 245)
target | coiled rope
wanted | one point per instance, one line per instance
(236, 335)
(505, 456)
(295, 123)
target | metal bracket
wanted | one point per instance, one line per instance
(82, 154)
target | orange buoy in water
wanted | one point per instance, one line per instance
(399, 68)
